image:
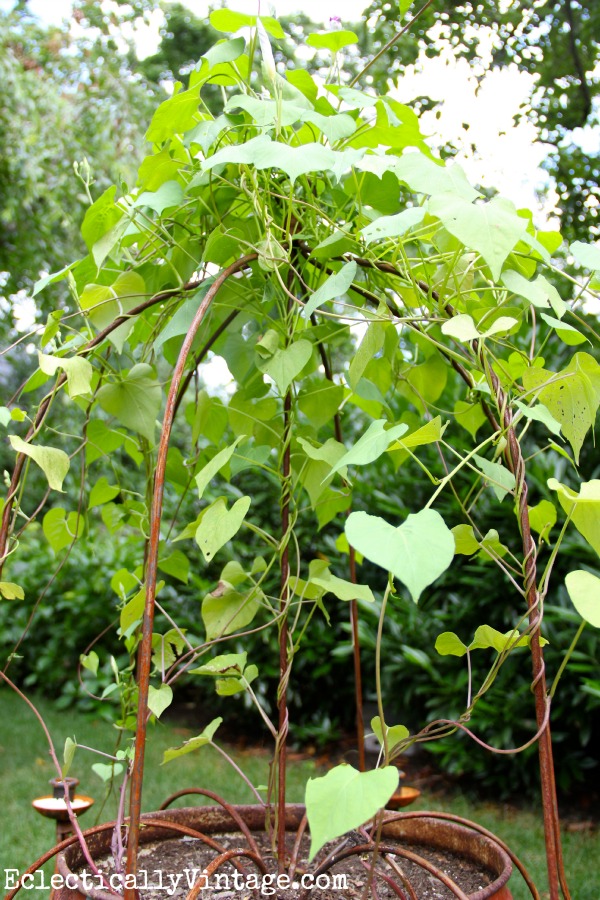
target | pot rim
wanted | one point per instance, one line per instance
(424, 829)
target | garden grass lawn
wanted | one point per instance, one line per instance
(25, 768)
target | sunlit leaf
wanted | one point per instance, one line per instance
(134, 400)
(11, 591)
(54, 463)
(78, 370)
(572, 396)
(159, 699)
(344, 799)
(492, 228)
(417, 552)
(60, 529)
(584, 590)
(219, 525)
(371, 445)
(194, 743)
(393, 733)
(583, 508)
(335, 286)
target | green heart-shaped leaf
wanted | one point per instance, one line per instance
(416, 553)
(344, 799)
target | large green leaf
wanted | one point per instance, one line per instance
(61, 529)
(501, 479)
(78, 370)
(194, 743)
(369, 347)
(393, 733)
(417, 552)
(11, 591)
(340, 588)
(331, 40)
(159, 699)
(103, 304)
(134, 400)
(462, 327)
(164, 197)
(421, 174)
(226, 610)
(225, 51)
(540, 292)
(103, 492)
(486, 637)
(100, 217)
(320, 402)
(229, 20)
(264, 153)
(208, 472)
(584, 508)
(566, 333)
(371, 445)
(176, 115)
(449, 644)
(572, 396)
(219, 525)
(542, 518)
(54, 463)
(492, 229)
(344, 799)
(584, 591)
(393, 226)
(284, 365)
(287, 112)
(335, 286)
(586, 254)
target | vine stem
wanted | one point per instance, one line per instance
(390, 43)
(145, 649)
(358, 692)
(516, 463)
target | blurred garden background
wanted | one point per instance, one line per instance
(76, 96)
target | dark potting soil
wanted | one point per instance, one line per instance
(170, 868)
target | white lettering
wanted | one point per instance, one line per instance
(57, 882)
(191, 876)
(174, 879)
(11, 876)
(267, 881)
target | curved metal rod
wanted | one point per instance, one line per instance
(393, 885)
(403, 878)
(296, 847)
(145, 649)
(201, 884)
(395, 851)
(204, 792)
(58, 848)
(101, 894)
(450, 817)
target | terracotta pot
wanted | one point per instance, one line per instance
(414, 832)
